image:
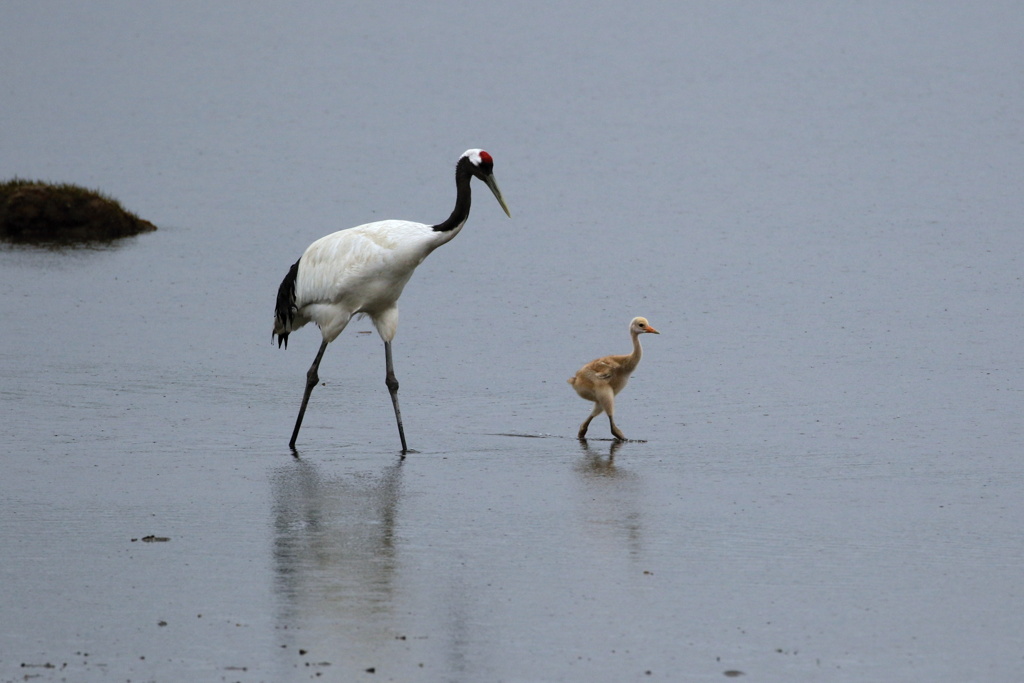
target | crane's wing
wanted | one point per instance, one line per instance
(372, 261)
(602, 369)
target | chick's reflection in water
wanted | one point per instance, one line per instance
(334, 554)
(598, 462)
(611, 500)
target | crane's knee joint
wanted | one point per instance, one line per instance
(392, 383)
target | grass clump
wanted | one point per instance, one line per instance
(34, 212)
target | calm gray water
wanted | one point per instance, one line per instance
(818, 205)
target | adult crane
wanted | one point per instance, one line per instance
(363, 270)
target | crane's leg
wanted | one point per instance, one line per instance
(586, 423)
(311, 380)
(606, 399)
(392, 383)
(615, 430)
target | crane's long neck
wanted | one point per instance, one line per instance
(633, 359)
(463, 199)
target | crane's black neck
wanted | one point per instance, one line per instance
(463, 174)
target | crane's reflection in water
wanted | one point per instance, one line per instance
(335, 559)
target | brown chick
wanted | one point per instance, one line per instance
(601, 379)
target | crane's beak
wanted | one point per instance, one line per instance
(493, 184)
(651, 329)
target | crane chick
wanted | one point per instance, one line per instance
(601, 379)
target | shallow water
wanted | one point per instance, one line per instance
(818, 208)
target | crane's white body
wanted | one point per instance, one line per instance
(361, 270)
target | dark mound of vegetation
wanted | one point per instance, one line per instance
(33, 212)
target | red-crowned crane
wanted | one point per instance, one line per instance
(601, 379)
(363, 270)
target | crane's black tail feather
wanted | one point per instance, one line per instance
(284, 313)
